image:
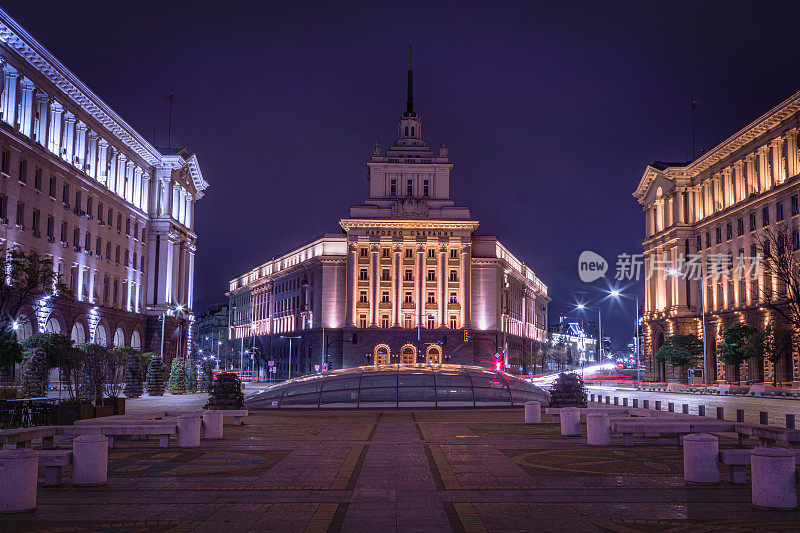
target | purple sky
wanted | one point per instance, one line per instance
(550, 110)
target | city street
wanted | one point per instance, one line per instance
(777, 408)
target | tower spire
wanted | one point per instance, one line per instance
(410, 92)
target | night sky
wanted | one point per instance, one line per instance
(551, 110)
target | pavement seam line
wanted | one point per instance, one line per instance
(470, 520)
(445, 471)
(322, 518)
(346, 470)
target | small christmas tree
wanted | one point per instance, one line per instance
(226, 392)
(206, 376)
(568, 391)
(34, 374)
(133, 375)
(155, 377)
(177, 376)
(191, 376)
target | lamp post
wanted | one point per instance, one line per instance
(599, 329)
(290, 350)
(163, 319)
(617, 294)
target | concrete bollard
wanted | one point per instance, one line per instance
(671, 407)
(763, 417)
(533, 413)
(89, 460)
(720, 413)
(685, 408)
(18, 472)
(635, 403)
(188, 431)
(646, 404)
(625, 402)
(608, 399)
(598, 429)
(592, 398)
(658, 405)
(772, 473)
(700, 458)
(212, 423)
(570, 421)
(790, 423)
(701, 410)
(740, 415)
(616, 400)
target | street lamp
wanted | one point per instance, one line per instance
(290, 350)
(617, 294)
(599, 328)
(163, 319)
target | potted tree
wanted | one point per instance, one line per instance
(177, 377)
(114, 371)
(72, 362)
(155, 376)
(133, 373)
(740, 342)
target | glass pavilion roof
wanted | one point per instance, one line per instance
(400, 386)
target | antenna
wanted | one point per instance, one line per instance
(409, 57)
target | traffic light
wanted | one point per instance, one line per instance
(466, 335)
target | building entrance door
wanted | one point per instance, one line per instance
(381, 354)
(433, 355)
(408, 355)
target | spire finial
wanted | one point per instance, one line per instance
(410, 93)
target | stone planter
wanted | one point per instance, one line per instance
(67, 414)
(103, 410)
(117, 403)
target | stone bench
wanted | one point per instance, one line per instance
(739, 460)
(22, 437)
(556, 411)
(53, 462)
(770, 435)
(162, 430)
(656, 427)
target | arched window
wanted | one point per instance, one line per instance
(412, 131)
(101, 335)
(434, 355)
(406, 132)
(381, 354)
(136, 340)
(408, 354)
(78, 334)
(52, 326)
(22, 327)
(119, 338)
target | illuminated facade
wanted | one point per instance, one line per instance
(720, 203)
(82, 187)
(406, 281)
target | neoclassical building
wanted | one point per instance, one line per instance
(406, 280)
(717, 207)
(114, 213)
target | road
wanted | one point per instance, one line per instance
(777, 408)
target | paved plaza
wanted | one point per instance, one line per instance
(461, 470)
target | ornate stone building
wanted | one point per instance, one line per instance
(115, 214)
(717, 208)
(407, 280)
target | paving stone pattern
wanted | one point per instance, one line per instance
(384, 471)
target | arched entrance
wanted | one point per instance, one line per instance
(119, 338)
(78, 334)
(101, 335)
(136, 340)
(408, 354)
(433, 355)
(22, 327)
(381, 354)
(660, 366)
(52, 325)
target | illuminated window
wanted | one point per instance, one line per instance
(385, 297)
(362, 274)
(453, 298)
(362, 321)
(408, 299)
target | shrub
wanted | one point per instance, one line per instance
(133, 375)
(34, 374)
(191, 376)
(568, 390)
(226, 392)
(9, 393)
(177, 376)
(206, 376)
(155, 377)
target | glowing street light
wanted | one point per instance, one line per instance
(617, 294)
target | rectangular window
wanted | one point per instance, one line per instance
(37, 215)
(136, 230)
(718, 233)
(385, 275)
(385, 321)
(128, 227)
(425, 188)
(431, 322)
(87, 242)
(409, 253)
(65, 194)
(699, 244)
(127, 257)
(431, 298)
(119, 222)
(407, 299)
(78, 201)
(453, 298)
(708, 239)
(363, 252)
(362, 274)
(98, 247)
(5, 162)
(431, 275)
(453, 322)
(51, 227)
(37, 179)
(765, 216)
(52, 189)
(409, 188)
(384, 297)
(431, 253)
(23, 171)
(385, 252)
(110, 218)
(100, 212)
(108, 251)
(116, 254)
(408, 275)
(453, 253)
(64, 230)
(753, 221)
(21, 214)
(76, 237)
(453, 275)
(89, 206)
(728, 231)
(795, 206)
(393, 187)
(407, 321)
(795, 240)
(740, 226)
(362, 321)
(779, 211)
(362, 296)
(4, 208)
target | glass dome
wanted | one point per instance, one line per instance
(399, 386)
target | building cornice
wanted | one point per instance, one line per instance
(348, 224)
(32, 52)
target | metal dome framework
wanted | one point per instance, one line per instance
(400, 386)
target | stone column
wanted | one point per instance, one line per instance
(137, 188)
(374, 283)
(145, 192)
(54, 142)
(80, 145)
(68, 144)
(764, 179)
(350, 297)
(397, 283)
(727, 185)
(92, 162)
(40, 119)
(752, 181)
(101, 173)
(739, 189)
(420, 282)
(127, 185)
(8, 101)
(466, 260)
(119, 183)
(26, 106)
(778, 168)
(443, 284)
(791, 153)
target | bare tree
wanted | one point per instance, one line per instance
(781, 261)
(23, 278)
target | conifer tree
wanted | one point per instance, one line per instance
(177, 376)
(34, 373)
(155, 377)
(133, 375)
(191, 376)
